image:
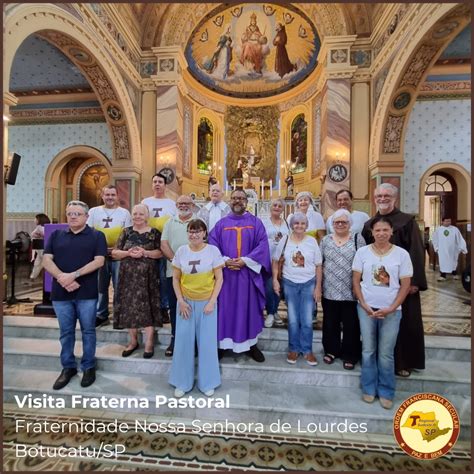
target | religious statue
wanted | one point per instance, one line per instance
(289, 184)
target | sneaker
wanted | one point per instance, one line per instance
(292, 357)
(310, 359)
(386, 403)
(178, 393)
(88, 377)
(256, 354)
(209, 393)
(455, 277)
(64, 378)
(101, 322)
(440, 278)
(269, 320)
(368, 398)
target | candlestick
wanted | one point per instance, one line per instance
(271, 189)
(234, 187)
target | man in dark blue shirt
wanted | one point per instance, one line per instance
(73, 257)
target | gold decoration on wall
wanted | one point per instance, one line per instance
(254, 129)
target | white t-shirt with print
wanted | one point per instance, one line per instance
(381, 274)
(101, 217)
(301, 258)
(159, 207)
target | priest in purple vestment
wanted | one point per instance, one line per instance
(243, 242)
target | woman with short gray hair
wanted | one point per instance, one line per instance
(301, 281)
(339, 303)
(304, 204)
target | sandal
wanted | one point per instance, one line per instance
(348, 365)
(329, 358)
(169, 351)
(404, 373)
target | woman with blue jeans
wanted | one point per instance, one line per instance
(381, 280)
(301, 285)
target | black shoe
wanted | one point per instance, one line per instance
(129, 352)
(165, 316)
(169, 350)
(64, 378)
(148, 355)
(220, 353)
(88, 377)
(256, 354)
(101, 322)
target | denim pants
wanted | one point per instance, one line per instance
(200, 328)
(68, 312)
(164, 287)
(110, 271)
(272, 300)
(300, 302)
(378, 343)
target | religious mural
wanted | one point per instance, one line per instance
(205, 146)
(253, 50)
(299, 144)
(91, 184)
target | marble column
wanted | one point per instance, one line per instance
(148, 137)
(335, 119)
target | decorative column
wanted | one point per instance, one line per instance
(169, 114)
(148, 139)
(335, 119)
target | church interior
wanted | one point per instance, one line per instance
(330, 96)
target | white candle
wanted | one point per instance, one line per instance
(271, 189)
(233, 189)
(263, 190)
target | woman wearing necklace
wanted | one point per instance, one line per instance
(339, 304)
(276, 228)
(301, 285)
(197, 281)
(381, 279)
(138, 301)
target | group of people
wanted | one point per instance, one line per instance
(211, 274)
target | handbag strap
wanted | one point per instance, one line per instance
(284, 246)
(355, 240)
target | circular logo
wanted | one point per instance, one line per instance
(426, 426)
(337, 173)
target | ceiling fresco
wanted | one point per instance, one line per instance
(253, 50)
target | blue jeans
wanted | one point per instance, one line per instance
(378, 343)
(272, 299)
(109, 271)
(300, 302)
(164, 287)
(68, 312)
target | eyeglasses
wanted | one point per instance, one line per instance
(383, 196)
(238, 198)
(194, 232)
(183, 203)
(74, 214)
(340, 222)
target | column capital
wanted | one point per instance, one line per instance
(9, 99)
(170, 64)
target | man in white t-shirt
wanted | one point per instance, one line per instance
(344, 201)
(214, 210)
(159, 207)
(110, 219)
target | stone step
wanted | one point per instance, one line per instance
(444, 377)
(444, 348)
(258, 401)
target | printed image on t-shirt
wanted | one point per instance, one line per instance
(297, 259)
(380, 276)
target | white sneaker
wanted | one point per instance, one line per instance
(269, 320)
(278, 320)
(440, 278)
(209, 393)
(455, 277)
(178, 393)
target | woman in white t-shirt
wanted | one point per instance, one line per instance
(301, 285)
(381, 279)
(197, 281)
(316, 226)
(277, 229)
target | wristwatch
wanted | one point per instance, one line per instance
(77, 274)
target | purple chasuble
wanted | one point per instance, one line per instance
(242, 298)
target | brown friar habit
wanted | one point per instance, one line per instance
(410, 347)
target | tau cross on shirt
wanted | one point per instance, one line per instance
(107, 220)
(157, 211)
(194, 263)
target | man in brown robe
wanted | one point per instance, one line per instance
(410, 347)
(283, 65)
